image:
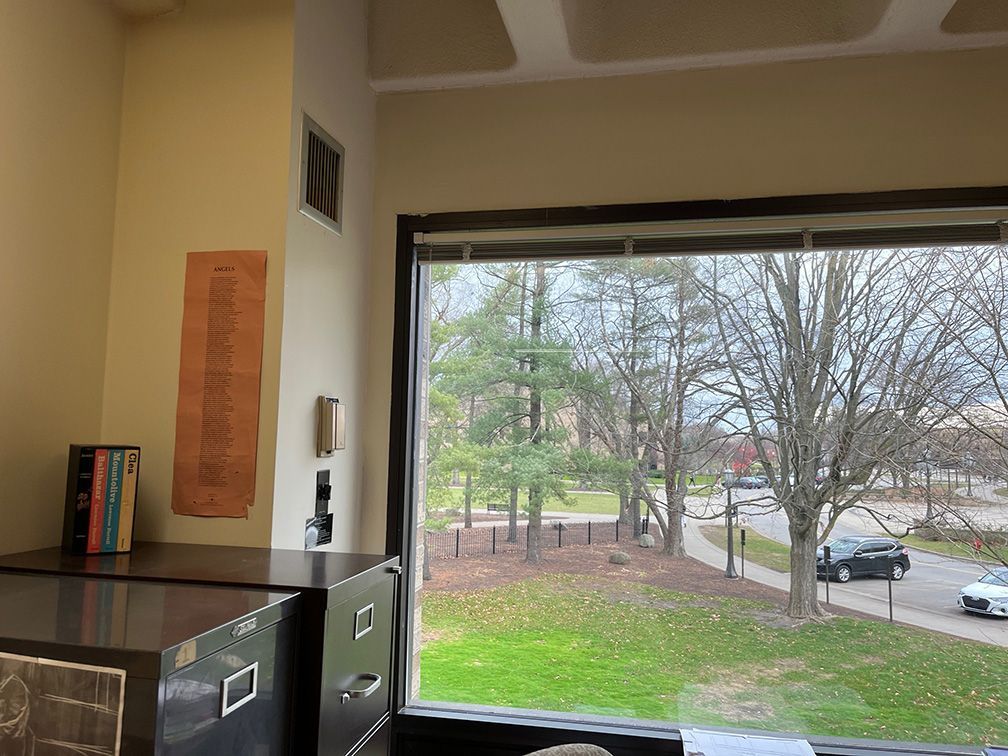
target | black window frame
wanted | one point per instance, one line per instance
(446, 730)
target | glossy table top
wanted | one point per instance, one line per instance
(137, 620)
(213, 565)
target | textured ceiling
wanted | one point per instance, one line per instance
(432, 44)
(416, 38)
(603, 31)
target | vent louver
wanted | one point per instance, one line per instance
(322, 160)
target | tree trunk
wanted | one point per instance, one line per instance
(468, 500)
(512, 536)
(534, 553)
(674, 545)
(468, 478)
(803, 601)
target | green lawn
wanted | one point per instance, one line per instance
(576, 502)
(1001, 491)
(625, 649)
(759, 549)
(961, 550)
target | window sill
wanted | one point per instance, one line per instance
(521, 730)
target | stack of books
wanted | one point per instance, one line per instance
(100, 499)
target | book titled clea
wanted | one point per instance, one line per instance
(101, 498)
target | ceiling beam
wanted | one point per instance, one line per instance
(538, 34)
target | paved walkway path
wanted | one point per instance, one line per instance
(984, 629)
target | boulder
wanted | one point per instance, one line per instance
(646, 541)
(619, 557)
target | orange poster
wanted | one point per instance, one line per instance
(217, 417)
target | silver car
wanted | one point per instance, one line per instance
(989, 595)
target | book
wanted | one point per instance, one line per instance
(99, 480)
(101, 497)
(124, 539)
(113, 500)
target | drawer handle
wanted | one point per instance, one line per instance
(227, 708)
(363, 692)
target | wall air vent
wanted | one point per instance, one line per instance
(322, 158)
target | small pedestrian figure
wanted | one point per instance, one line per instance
(978, 545)
(692, 479)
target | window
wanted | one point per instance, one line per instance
(607, 424)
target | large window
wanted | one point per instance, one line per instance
(683, 487)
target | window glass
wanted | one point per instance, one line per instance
(996, 577)
(595, 435)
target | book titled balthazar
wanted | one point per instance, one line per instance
(101, 498)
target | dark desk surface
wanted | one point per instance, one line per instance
(137, 623)
(304, 571)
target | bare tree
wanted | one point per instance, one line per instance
(833, 366)
(647, 334)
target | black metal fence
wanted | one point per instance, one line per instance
(486, 541)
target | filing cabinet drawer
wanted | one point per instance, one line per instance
(236, 701)
(356, 667)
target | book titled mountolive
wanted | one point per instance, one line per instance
(100, 498)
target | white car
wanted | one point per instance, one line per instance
(989, 595)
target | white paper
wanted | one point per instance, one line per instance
(706, 743)
(48, 706)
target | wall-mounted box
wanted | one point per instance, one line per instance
(331, 426)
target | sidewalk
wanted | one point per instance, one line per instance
(992, 632)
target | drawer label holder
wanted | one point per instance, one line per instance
(244, 627)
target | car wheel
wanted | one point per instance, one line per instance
(897, 571)
(843, 573)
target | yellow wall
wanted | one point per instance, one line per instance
(60, 85)
(918, 121)
(203, 165)
(325, 277)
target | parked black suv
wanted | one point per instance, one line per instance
(864, 555)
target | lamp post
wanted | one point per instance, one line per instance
(929, 514)
(729, 481)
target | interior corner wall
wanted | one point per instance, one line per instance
(845, 125)
(325, 282)
(202, 166)
(60, 89)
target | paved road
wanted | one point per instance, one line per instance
(931, 585)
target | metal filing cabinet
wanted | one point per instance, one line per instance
(345, 635)
(207, 670)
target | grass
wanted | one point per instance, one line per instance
(575, 502)
(759, 549)
(561, 643)
(961, 550)
(1001, 492)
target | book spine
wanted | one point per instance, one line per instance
(113, 500)
(98, 483)
(79, 490)
(124, 540)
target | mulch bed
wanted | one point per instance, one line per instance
(648, 566)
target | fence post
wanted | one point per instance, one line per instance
(559, 534)
(458, 535)
(617, 531)
(526, 536)
(589, 532)
(493, 540)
